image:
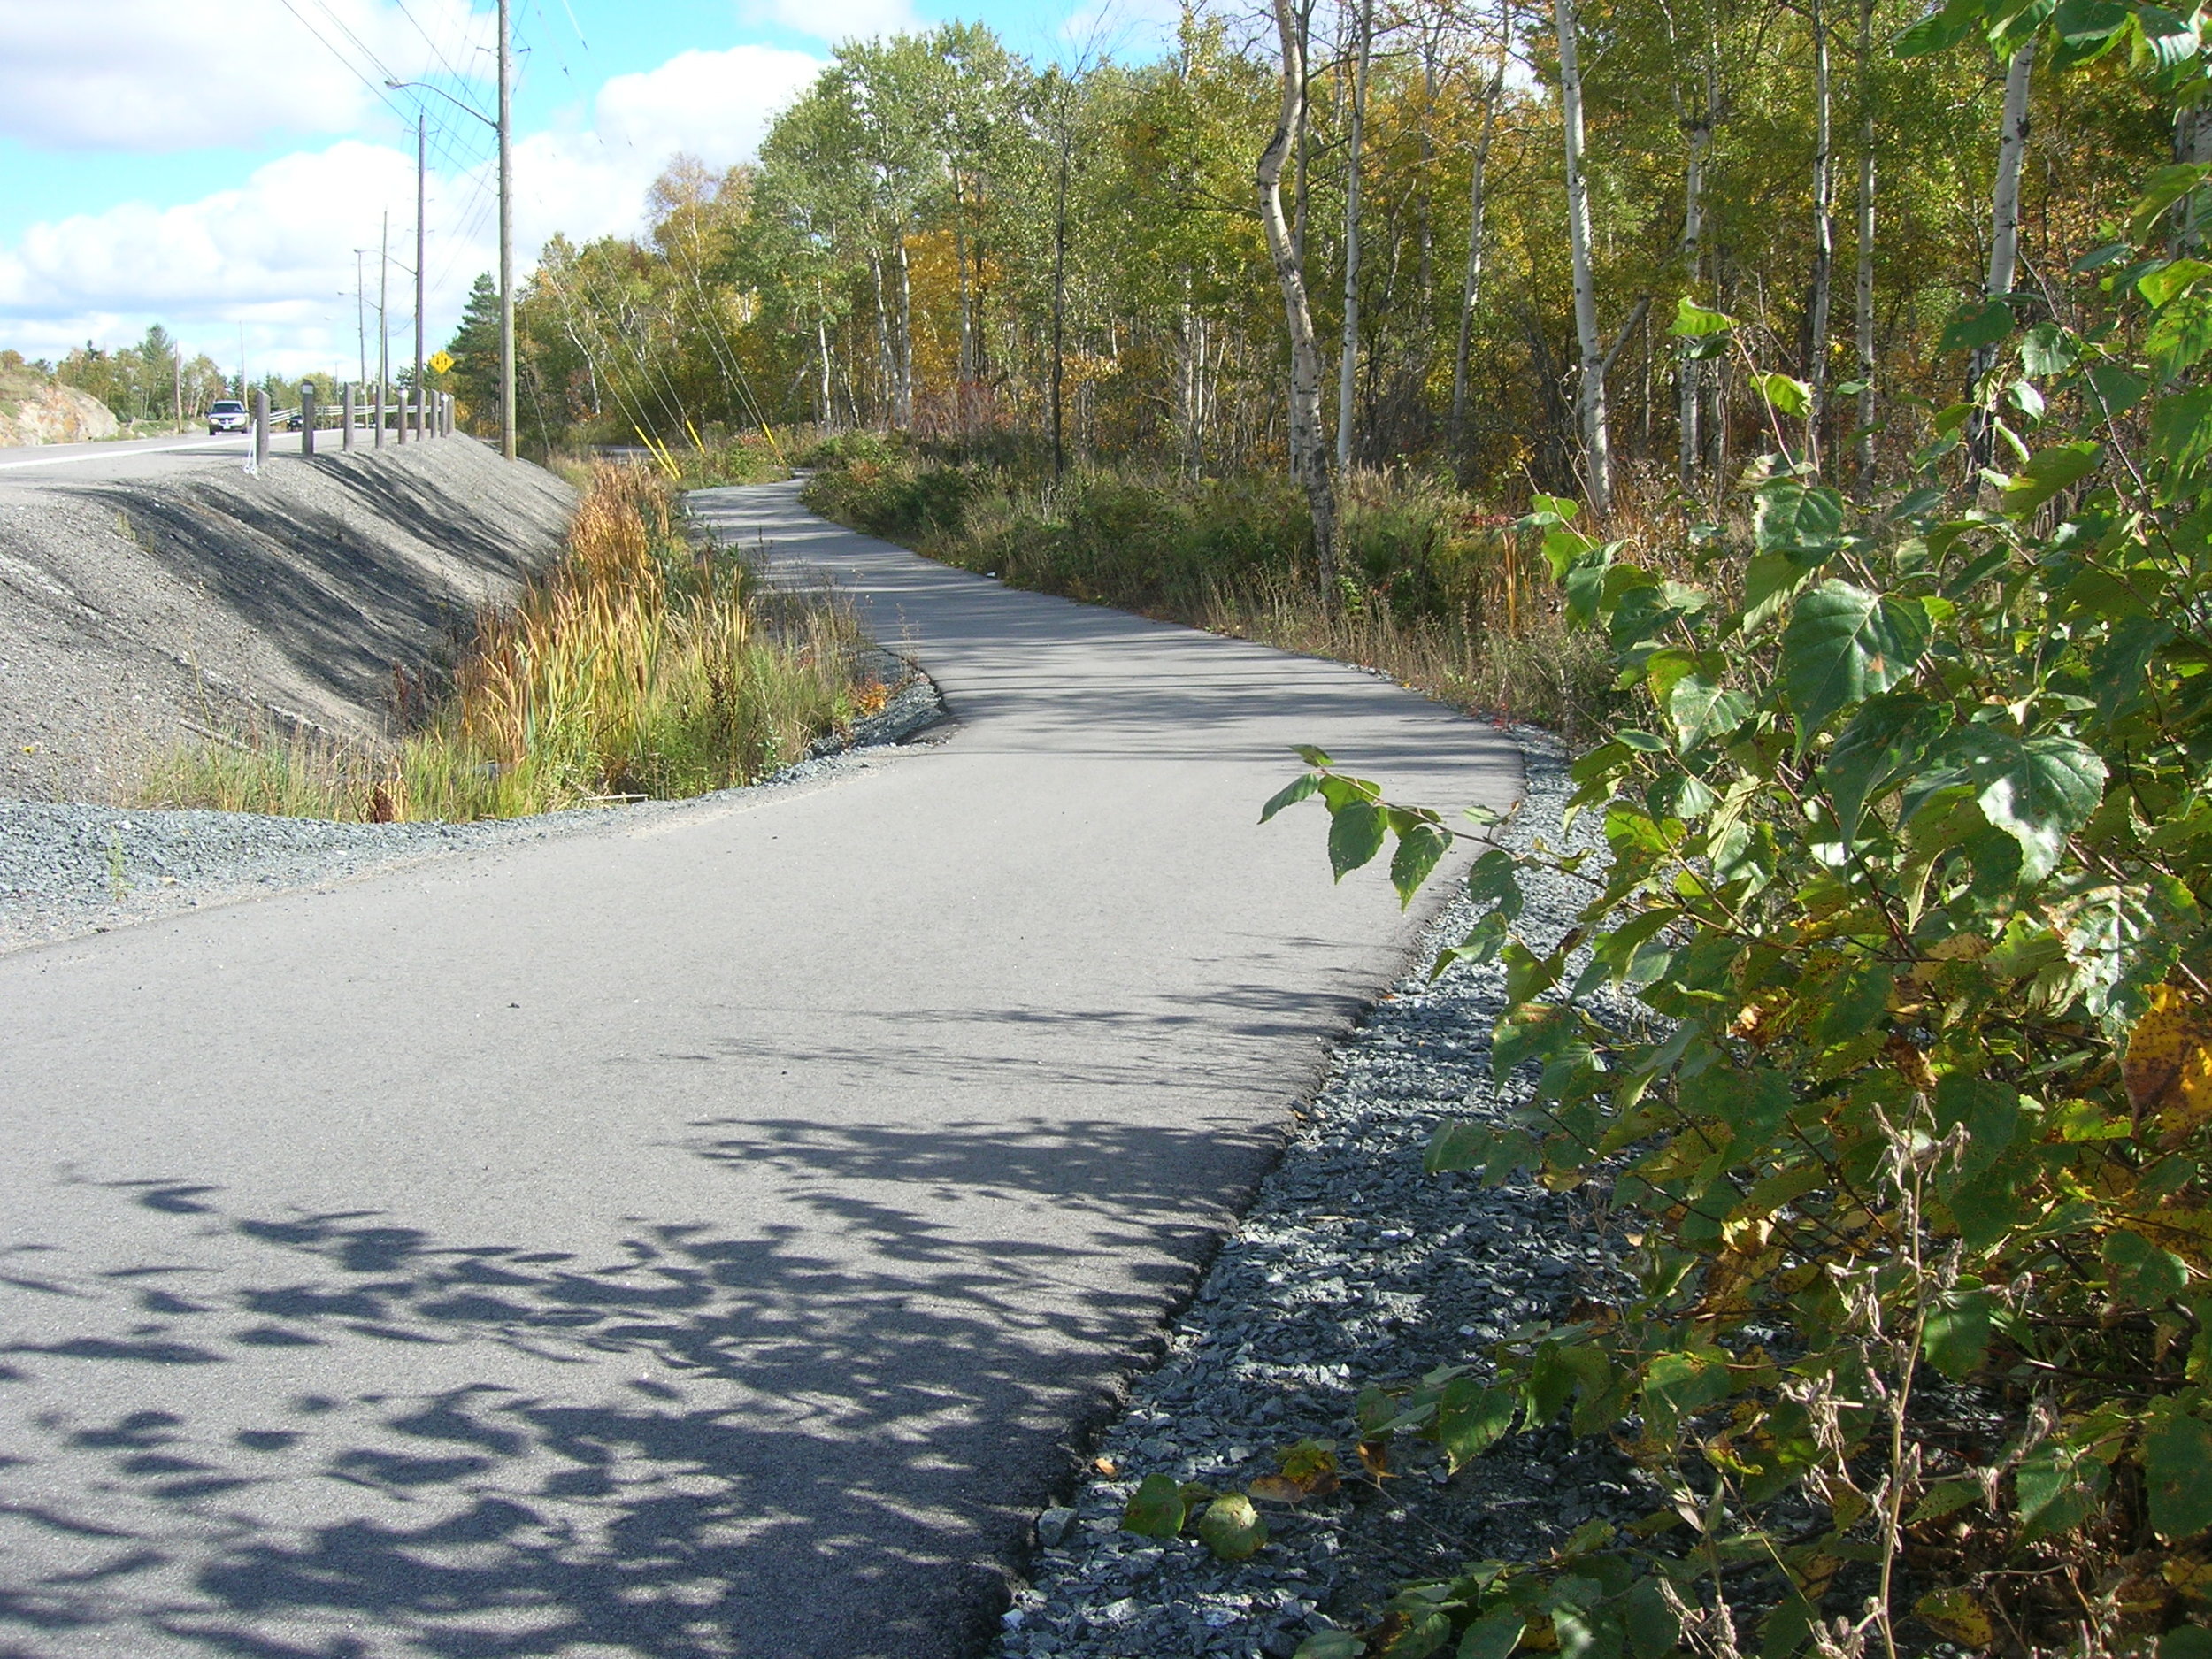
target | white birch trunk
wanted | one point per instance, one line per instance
(2004, 216)
(906, 337)
(1347, 367)
(1865, 296)
(1691, 385)
(1470, 290)
(1824, 232)
(1590, 394)
(1308, 458)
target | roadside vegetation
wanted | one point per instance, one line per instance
(1431, 590)
(643, 665)
(1803, 407)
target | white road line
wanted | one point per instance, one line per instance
(110, 455)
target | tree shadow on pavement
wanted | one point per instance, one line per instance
(335, 1434)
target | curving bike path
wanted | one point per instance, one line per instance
(695, 1238)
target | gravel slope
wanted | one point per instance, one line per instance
(68, 869)
(1351, 1267)
(134, 608)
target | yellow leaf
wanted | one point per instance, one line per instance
(1955, 1615)
(2169, 1065)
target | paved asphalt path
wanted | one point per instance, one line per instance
(136, 459)
(694, 1239)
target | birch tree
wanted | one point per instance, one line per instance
(1308, 460)
(1348, 368)
(1590, 391)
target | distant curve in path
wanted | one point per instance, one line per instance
(702, 1237)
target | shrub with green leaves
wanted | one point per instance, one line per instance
(1908, 857)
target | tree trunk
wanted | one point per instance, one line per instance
(1348, 364)
(906, 337)
(1060, 304)
(1590, 394)
(1824, 234)
(2004, 227)
(1697, 127)
(1470, 290)
(1309, 459)
(1865, 294)
(886, 364)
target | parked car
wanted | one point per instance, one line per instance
(226, 414)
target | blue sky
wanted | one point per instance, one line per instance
(214, 165)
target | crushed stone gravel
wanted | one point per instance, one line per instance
(68, 869)
(1353, 1266)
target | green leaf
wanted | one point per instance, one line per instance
(1231, 1528)
(1495, 1636)
(1533, 1031)
(1471, 1417)
(1419, 849)
(1705, 713)
(2117, 389)
(1938, 33)
(1806, 523)
(1956, 1335)
(2046, 348)
(2058, 1487)
(2181, 429)
(2176, 1459)
(1496, 878)
(1792, 397)
(1457, 1147)
(2167, 186)
(1977, 323)
(2186, 1642)
(1331, 1644)
(2180, 336)
(2170, 38)
(2053, 469)
(1691, 322)
(1155, 1509)
(1356, 836)
(2082, 23)
(2162, 282)
(1886, 735)
(1844, 644)
(1290, 794)
(2038, 790)
(2146, 1275)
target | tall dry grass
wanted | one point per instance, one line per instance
(642, 665)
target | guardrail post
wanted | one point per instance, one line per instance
(379, 414)
(345, 414)
(260, 428)
(307, 417)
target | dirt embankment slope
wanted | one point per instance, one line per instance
(133, 613)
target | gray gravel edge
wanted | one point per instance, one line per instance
(1352, 1266)
(68, 869)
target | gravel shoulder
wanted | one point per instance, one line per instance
(68, 869)
(1351, 1267)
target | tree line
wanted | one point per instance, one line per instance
(1477, 221)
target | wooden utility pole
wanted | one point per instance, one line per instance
(422, 177)
(506, 252)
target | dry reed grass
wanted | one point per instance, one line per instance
(640, 666)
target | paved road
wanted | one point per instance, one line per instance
(145, 458)
(692, 1241)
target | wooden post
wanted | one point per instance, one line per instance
(379, 414)
(307, 417)
(260, 428)
(345, 414)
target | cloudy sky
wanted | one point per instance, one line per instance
(215, 165)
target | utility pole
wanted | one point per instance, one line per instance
(506, 253)
(383, 325)
(421, 190)
(360, 317)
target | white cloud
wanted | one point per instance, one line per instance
(180, 74)
(835, 20)
(276, 253)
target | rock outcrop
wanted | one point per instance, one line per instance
(52, 413)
